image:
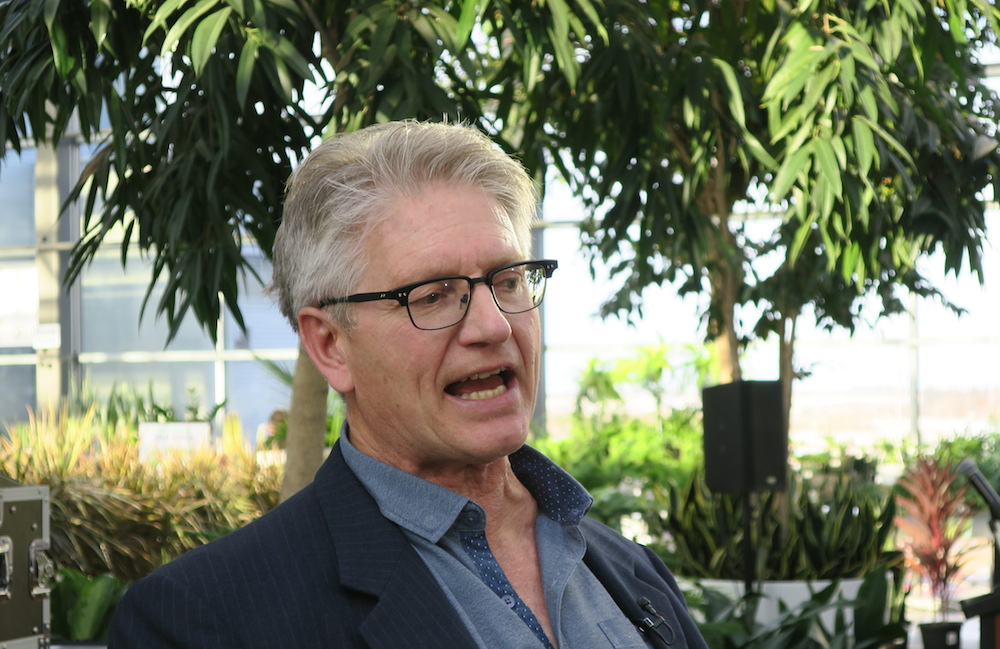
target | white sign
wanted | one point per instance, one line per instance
(157, 436)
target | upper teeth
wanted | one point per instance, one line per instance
(483, 375)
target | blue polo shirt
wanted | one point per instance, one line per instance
(448, 531)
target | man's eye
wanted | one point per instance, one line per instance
(433, 294)
(426, 300)
(508, 281)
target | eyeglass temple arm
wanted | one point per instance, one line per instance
(367, 297)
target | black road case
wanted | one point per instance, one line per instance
(26, 569)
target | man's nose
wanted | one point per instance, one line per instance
(483, 317)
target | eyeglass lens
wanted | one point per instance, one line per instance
(442, 303)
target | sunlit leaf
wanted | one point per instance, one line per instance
(181, 28)
(244, 72)
(161, 17)
(472, 11)
(734, 95)
(100, 21)
(206, 35)
(51, 8)
(790, 169)
(826, 163)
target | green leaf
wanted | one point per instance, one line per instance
(688, 112)
(187, 19)
(206, 35)
(851, 260)
(161, 18)
(562, 44)
(818, 85)
(734, 96)
(869, 104)
(288, 5)
(61, 55)
(956, 22)
(291, 57)
(797, 122)
(244, 71)
(860, 50)
(384, 30)
(590, 11)
(848, 78)
(50, 10)
(100, 21)
(758, 151)
(472, 11)
(789, 171)
(826, 163)
(793, 75)
(95, 598)
(891, 141)
(436, 24)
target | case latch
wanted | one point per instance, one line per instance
(43, 568)
(6, 566)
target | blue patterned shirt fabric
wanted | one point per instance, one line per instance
(448, 531)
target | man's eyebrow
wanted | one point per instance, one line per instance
(445, 273)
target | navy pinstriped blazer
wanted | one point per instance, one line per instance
(325, 570)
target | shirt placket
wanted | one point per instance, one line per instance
(478, 548)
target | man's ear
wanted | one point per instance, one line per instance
(326, 343)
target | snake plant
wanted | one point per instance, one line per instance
(836, 530)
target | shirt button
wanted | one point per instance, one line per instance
(509, 601)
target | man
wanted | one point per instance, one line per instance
(404, 263)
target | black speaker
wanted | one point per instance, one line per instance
(746, 437)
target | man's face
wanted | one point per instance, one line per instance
(431, 401)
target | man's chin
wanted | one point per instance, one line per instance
(494, 442)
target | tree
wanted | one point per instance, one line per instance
(202, 108)
(865, 122)
(865, 128)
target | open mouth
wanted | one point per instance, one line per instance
(485, 385)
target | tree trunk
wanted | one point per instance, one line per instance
(728, 352)
(786, 374)
(306, 426)
(786, 366)
(725, 262)
(726, 281)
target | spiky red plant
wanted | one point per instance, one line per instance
(935, 519)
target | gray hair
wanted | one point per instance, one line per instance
(346, 186)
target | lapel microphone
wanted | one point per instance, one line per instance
(653, 624)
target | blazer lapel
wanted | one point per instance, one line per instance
(376, 559)
(630, 575)
(617, 573)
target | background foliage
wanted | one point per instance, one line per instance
(837, 529)
(115, 518)
(111, 513)
(866, 127)
(624, 437)
(82, 605)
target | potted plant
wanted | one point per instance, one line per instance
(812, 537)
(935, 517)
(807, 533)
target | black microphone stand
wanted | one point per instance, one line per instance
(987, 607)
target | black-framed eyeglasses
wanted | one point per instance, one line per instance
(443, 301)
